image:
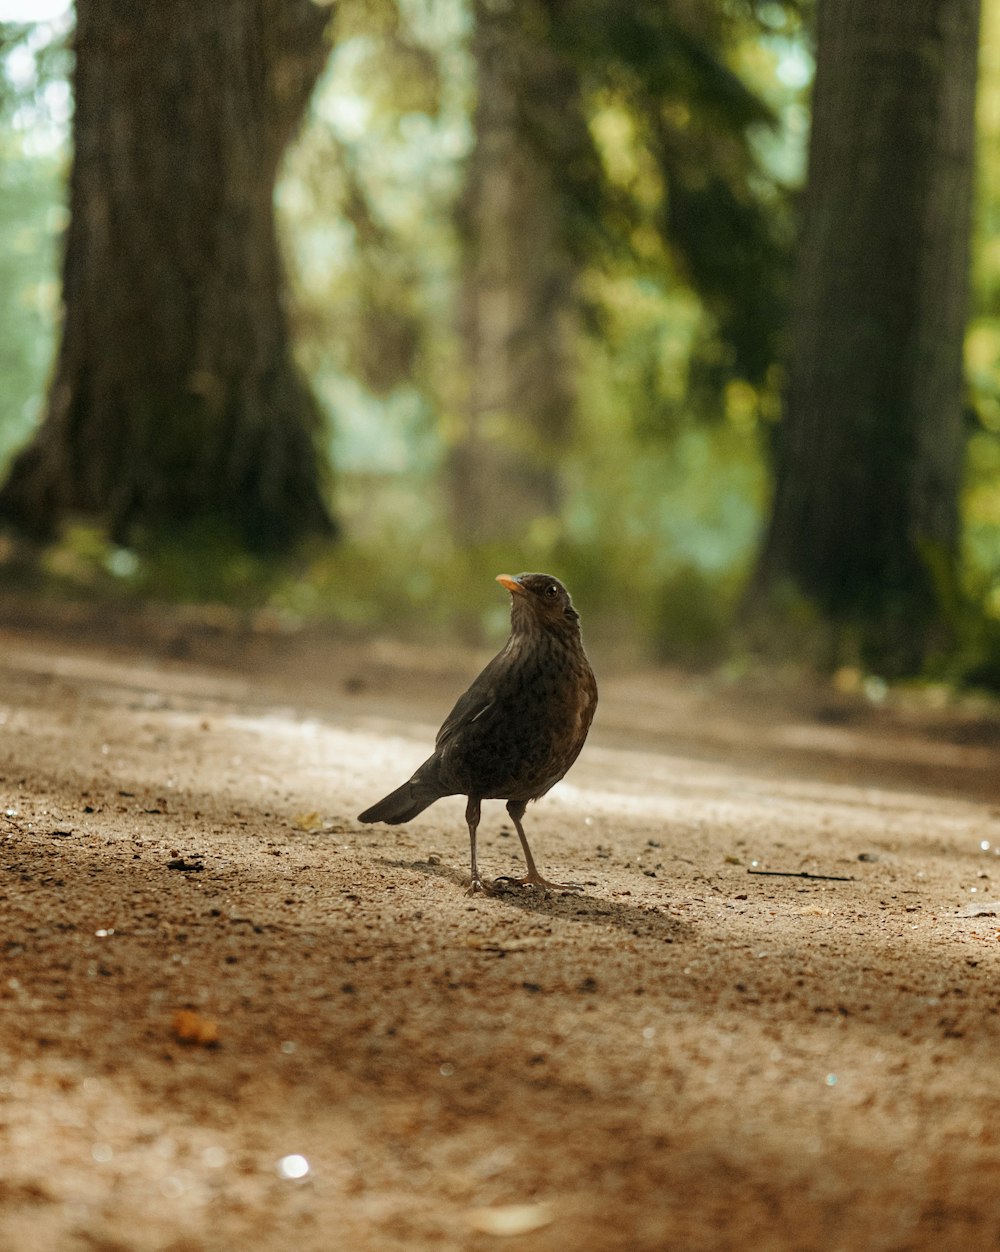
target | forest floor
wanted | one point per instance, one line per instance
(231, 1017)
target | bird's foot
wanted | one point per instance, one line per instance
(478, 885)
(536, 880)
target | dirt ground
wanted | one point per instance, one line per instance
(701, 1050)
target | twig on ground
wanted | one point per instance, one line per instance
(801, 873)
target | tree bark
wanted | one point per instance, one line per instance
(865, 513)
(518, 276)
(175, 400)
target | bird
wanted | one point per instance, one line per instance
(517, 729)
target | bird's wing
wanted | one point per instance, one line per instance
(470, 707)
(475, 703)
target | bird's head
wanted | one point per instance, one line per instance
(539, 599)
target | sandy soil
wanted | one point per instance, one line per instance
(690, 1054)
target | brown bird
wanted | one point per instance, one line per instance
(518, 728)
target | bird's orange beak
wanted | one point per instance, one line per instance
(511, 583)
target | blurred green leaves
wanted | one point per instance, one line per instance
(33, 104)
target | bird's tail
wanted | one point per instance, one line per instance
(404, 803)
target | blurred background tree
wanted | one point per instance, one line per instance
(540, 277)
(517, 300)
(865, 521)
(175, 401)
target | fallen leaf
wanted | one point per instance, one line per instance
(309, 822)
(190, 1027)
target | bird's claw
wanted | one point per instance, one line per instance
(478, 885)
(537, 880)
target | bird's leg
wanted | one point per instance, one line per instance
(472, 817)
(532, 878)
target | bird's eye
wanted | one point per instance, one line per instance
(551, 591)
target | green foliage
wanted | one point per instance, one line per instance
(32, 94)
(199, 564)
(692, 195)
(369, 204)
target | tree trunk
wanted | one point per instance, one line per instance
(865, 513)
(517, 302)
(175, 400)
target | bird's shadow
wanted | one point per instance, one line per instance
(648, 922)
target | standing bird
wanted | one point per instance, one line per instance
(518, 728)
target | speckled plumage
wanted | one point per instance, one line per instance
(518, 728)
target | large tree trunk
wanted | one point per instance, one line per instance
(517, 304)
(865, 513)
(175, 399)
